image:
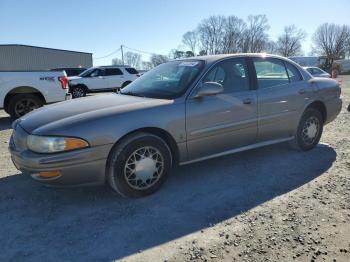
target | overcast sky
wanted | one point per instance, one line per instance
(155, 26)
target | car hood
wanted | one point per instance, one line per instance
(71, 112)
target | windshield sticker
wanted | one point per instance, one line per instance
(188, 64)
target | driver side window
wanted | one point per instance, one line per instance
(232, 74)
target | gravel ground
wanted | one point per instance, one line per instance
(269, 204)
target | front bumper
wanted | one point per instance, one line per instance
(80, 167)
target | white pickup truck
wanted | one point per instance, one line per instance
(22, 92)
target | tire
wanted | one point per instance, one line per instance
(140, 179)
(309, 130)
(21, 104)
(78, 91)
(125, 84)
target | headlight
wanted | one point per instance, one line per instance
(49, 144)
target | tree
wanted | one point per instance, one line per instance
(189, 54)
(176, 54)
(158, 59)
(270, 47)
(234, 35)
(211, 32)
(332, 40)
(117, 61)
(190, 40)
(289, 42)
(146, 65)
(132, 59)
(255, 35)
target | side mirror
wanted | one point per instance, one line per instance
(209, 89)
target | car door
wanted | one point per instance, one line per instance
(97, 80)
(115, 78)
(219, 123)
(282, 94)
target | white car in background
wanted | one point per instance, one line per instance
(102, 79)
(317, 72)
(22, 92)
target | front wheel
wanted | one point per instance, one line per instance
(309, 130)
(139, 165)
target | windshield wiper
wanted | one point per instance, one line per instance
(130, 93)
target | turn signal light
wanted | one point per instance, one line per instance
(74, 143)
(49, 174)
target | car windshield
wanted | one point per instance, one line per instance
(166, 81)
(87, 72)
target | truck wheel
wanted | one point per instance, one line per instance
(139, 165)
(78, 91)
(309, 130)
(21, 104)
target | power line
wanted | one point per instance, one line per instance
(120, 49)
(114, 52)
(140, 51)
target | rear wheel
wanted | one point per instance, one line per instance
(139, 165)
(309, 130)
(21, 104)
(78, 91)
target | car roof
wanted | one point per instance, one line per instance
(215, 58)
(114, 66)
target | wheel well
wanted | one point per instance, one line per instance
(318, 105)
(162, 134)
(126, 83)
(23, 90)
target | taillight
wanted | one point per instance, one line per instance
(64, 81)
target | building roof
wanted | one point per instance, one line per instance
(45, 48)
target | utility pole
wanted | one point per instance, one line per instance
(121, 48)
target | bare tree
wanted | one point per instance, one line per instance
(211, 31)
(332, 40)
(234, 35)
(190, 40)
(158, 59)
(117, 61)
(289, 42)
(270, 47)
(146, 65)
(132, 59)
(255, 36)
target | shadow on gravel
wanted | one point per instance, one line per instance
(5, 123)
(44, 224)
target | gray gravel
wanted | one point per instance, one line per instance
(269, 204)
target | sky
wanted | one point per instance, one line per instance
(153, 26)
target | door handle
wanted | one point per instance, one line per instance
(302, 91)
(247, 101)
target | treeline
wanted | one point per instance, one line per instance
(230, 34)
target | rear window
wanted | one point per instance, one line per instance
(131, 70)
